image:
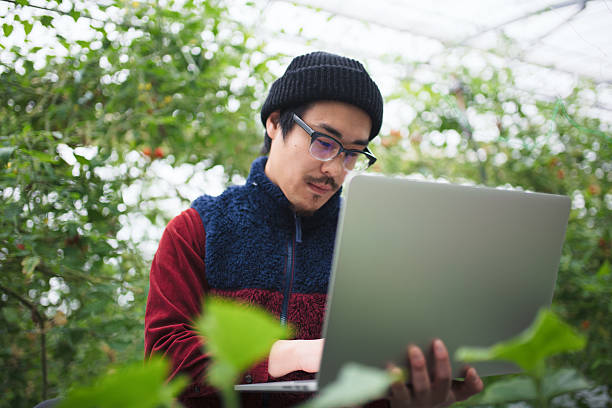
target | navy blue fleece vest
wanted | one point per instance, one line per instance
(254, 240)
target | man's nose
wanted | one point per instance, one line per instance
(334, 167)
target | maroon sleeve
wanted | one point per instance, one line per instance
(177, 285)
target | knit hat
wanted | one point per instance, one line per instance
(324, 76)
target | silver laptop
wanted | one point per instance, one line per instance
(417, 260)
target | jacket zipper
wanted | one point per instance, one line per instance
(290, 268)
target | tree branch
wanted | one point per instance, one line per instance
(40, 320)
(60, 12)
(67, 13)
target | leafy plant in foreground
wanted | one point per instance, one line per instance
(373, 384)
(547, 336)
(138, 385)
(237, 336)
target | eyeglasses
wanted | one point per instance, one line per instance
(325, 148)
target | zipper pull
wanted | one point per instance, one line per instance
(298, 228)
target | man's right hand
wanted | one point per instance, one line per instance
(435, 389)
(287, 356)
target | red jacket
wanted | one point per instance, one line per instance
(177, 287)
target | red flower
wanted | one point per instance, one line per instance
(594, 189)
(20, 247)
(585, 324)
(159, 153)
(147, 151)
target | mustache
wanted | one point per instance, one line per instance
(322, 180)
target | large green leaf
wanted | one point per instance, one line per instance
(563, 381)
(547, 336)
(505, 391)
(237, 335)
(137, 386)
(373, 384)
(524, 388)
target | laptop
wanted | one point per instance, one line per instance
(416, 260)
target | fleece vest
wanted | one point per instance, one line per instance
(259, 250)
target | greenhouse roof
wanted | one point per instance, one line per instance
(553, 44)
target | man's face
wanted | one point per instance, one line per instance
(308, 182)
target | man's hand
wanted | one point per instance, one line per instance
(437, 389)
(295, 355)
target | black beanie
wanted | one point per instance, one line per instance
(324, 76)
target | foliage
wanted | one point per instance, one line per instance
(178, 82)
(138, 385)
(547, 336)
(63, 271)
(237, 335)
(476, 126)
(182, 82)
(373, 384)
(521, 389)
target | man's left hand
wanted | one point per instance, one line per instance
(437, 389)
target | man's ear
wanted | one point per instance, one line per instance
(273, 126)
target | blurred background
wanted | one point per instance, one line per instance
(115, 115)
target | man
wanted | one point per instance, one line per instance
(270, 242)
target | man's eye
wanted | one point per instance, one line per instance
(325, 144)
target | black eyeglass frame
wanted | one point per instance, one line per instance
(314, 135)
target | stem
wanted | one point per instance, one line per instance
(542, 401)
(230, 397)
(40, 321)
(43, 357)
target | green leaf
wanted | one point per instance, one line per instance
(223, 376)
(75, 14)
(222, 373)
(563, 381)
(506, 391)
(373, 384)
(136, 385)
(27, 27)
(22, 2)
(81, 159)
(5, 154)
(29, 263)
(41, 156)
(46, 20)
(547, 336)
(605, 269)
(7, 28)
(237, 335)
